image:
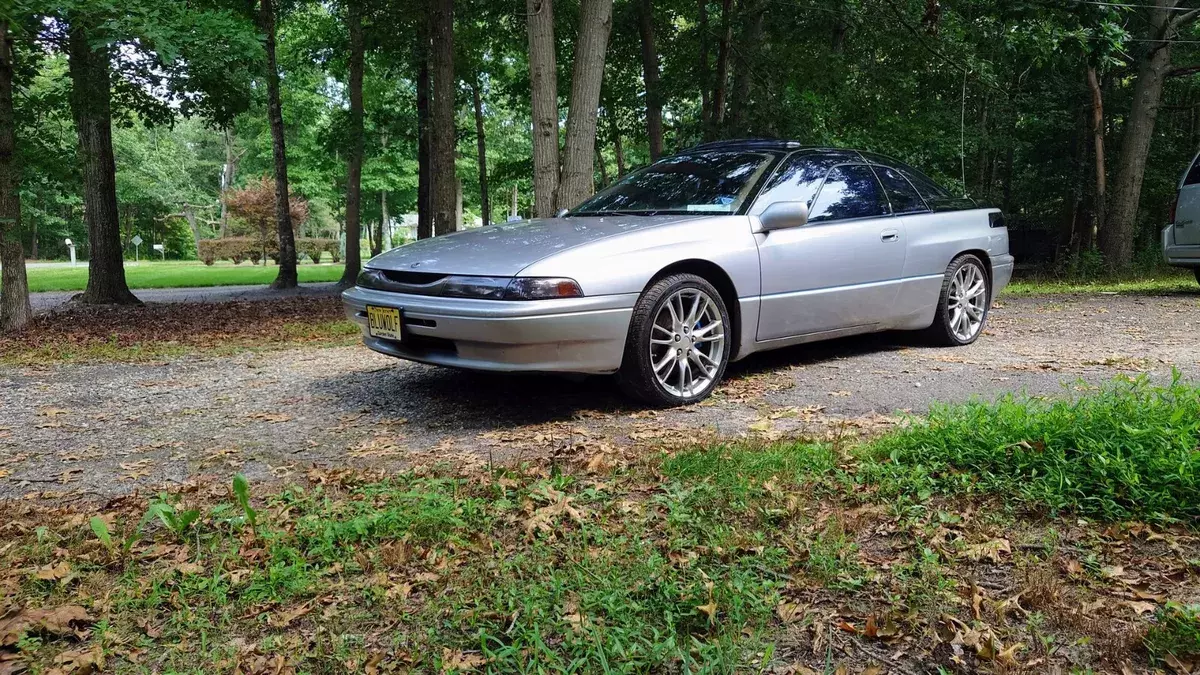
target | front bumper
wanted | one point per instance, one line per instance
(573, 335)
(1178, 255)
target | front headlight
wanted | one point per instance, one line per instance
(485, 288)
(542, 288)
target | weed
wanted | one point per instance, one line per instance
(1175, 632)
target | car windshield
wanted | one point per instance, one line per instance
(698, 182)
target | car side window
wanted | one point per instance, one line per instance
(849, 191)
(1193, 174)
(900, 192)
(928, 189)
(797, 180)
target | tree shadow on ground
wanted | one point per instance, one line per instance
(446, 399)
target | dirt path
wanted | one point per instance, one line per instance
(108, 429)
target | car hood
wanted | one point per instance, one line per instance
(504, 250)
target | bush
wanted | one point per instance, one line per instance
(1128, 451)
(237, 249)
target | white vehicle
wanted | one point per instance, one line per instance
(1181, 239)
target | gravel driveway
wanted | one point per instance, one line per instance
(102, 430)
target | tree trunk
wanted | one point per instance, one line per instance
(718, 98)
(1098, 142)
(458, 205)
(743, 74)
(91, 106)
(377, 239)
(355, 159)
(985, 152)
(587, 73)
(386, 219)
(14, 286)
(228, 174)
(618, 148)
(424, 149)
(485, 209)
(1120, 223)
(286, 278)
(650, 75)
(704, 77)
(514, 210)
(543, 83)
(33, 241)
(442, 117)
(602, 164)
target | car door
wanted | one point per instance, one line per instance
(1187, 209)
(841, 270)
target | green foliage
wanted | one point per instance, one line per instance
(1129, 450)
(178, 523)
(241, 491)
(174, 275)
(237, 249)
(100, 529)
(1175, 632)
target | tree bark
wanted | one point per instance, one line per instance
(650, 76)
(92, 109)
(442, 143)
(1120, 224)
(718, 98)
(602, 164)
(618, 148)
(286, 278)
(377, 240)
(15, 311)
(424, 148)
(485, 209)
(748, 56)
(587, 73)
(514, 210)
(543, 82)
(386, 219)
(228, 175)
(354, 160)
(704, 77)
(1098, 151)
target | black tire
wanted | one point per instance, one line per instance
(1197, 271)
(636, 376)
(941, 332)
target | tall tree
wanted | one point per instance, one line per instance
(1098, 142)
(286, 278)
(421, 54)
(14, 287)
(543, 82)
(91, 104)
(703, 76)
(577, 180)
(485, 209)
(1165, 19)
(650, 75)
(723, 47)
(355, 156)
(442, 130)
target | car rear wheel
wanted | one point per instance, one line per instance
(678, 346)
(963, 306)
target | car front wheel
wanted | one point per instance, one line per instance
(963, 306)
(678, 346)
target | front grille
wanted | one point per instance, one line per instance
(413, 278)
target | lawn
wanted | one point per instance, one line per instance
(907, 553)
(1158, 282)
(177, 275)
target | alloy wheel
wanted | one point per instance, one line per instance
(967, 303)
(687, 343)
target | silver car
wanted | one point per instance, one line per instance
(1181, 239)
(700, 259)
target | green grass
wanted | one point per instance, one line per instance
(1131, 450)
(679, 561)
(1150, 283)
(1176, 632)
(177, 275)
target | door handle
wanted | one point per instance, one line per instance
(889, 235)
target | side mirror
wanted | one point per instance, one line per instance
(784, 215)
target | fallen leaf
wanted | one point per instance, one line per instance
(790, 612)
(54, 572)
(78, 662)
(710, 610)
(455, 660)
(988, 549)
(57, 622)
(1140, 607)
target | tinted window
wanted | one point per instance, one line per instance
(701, 182)
(1193, 175)
(900, 192)
(850, 191)
(930, 190)
(798, 179)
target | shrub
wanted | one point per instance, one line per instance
(1128, 451)
(238, 249)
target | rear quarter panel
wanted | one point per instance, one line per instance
(934, 240)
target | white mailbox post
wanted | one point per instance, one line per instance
(71, 248)
(162, 250)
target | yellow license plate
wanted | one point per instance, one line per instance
(383, 322)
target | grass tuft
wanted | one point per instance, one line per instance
(1128, 451)
(1175, 632)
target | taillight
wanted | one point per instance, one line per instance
(1174, 205)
